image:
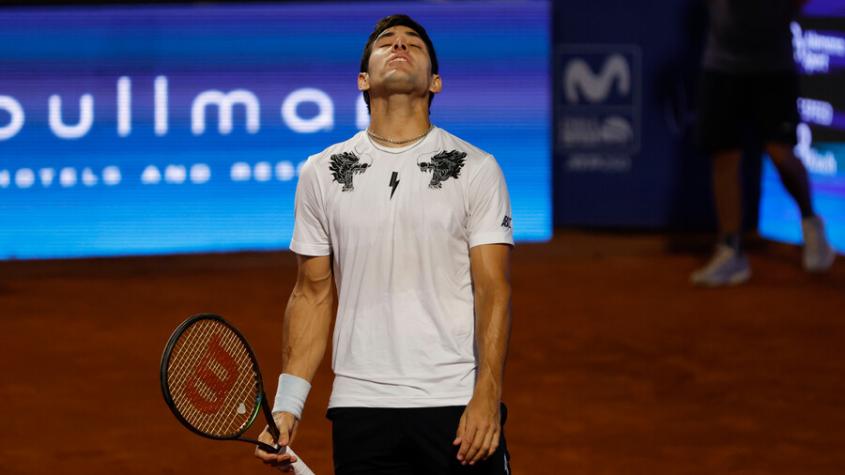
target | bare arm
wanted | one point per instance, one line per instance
(480, 427)
(308, 317)
(491, 276)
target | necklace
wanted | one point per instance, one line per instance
(398, 142)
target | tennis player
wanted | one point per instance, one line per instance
(414, 226)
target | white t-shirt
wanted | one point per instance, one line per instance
(399, 223)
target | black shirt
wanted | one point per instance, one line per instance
(747, 36)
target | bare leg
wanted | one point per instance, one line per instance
(818, 254)
(727, 266)
(727, 193)
(793, 175)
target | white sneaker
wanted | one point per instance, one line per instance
(818, 254)
(727, 267)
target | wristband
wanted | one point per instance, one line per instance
(291, 394)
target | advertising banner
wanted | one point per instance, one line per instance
(819, 42)
(149, 130)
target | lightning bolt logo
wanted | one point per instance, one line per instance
(394, 182)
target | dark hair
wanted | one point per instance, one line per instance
(390, 22)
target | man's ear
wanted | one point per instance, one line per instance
(436, 84)
(363, 82)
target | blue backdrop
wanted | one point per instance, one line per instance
(141, 130)
(624, 85)
(622, 108)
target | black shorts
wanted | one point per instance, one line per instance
(411, 441)
(739, 110)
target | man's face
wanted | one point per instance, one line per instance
(399, 63)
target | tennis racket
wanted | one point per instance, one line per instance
(211, 381)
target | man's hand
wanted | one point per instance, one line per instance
(479, 429)
(287, 424)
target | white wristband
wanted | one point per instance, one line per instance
(291, 394)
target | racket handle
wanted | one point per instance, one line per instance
(269, 448)
(299, 467)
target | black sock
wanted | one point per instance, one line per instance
(732, 240)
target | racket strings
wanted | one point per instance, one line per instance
(212, 379)
(243, 398)
(226, 423)
(186, 353)
(220, 421)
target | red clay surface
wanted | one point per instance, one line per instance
(616, 366)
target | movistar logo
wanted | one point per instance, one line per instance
(582, 84)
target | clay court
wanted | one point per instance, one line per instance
(617, 366)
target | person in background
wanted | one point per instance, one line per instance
(749, 91)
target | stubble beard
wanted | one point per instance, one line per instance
(402, 82)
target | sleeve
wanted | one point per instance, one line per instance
(489, 206)
(310, 227)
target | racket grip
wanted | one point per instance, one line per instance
(269, 448)
(299, 467)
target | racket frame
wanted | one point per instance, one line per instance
(262, 398)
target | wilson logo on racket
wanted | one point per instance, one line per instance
(217, 387)
(213, 386)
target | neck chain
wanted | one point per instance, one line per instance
(398, 142)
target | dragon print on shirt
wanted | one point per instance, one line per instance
(344, 166)
(443, 166)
